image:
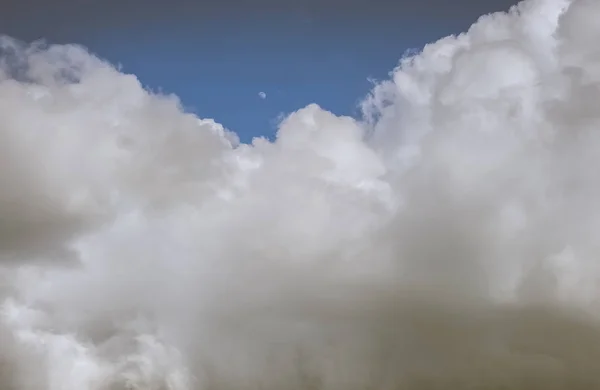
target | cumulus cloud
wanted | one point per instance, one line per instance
(444, 240)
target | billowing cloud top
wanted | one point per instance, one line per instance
(447, 238)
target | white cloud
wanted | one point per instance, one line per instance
(438, 240)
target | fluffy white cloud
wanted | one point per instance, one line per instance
(446, 239)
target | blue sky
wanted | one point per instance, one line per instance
(218, 57)
(218, 71)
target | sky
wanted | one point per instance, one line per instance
(447, 240)
(217, 56)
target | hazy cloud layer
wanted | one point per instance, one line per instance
(70, 21)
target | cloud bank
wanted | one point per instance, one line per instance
(448, 239)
